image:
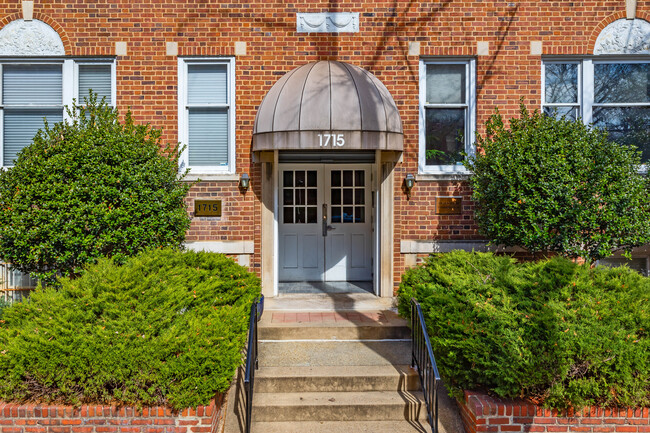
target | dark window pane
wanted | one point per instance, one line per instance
(336, 178)
(300, 215)
(621, 82)
(311, 178)
(359, 178)
(627, 126)
(561, 83)
(312, 196)
(359, 196)
(336, 196)
(288, 196)
(359, 214)
(288, 215)
(347, 214)
(336, 214)
(300, 196)
(288, 178)
(347, 196)
(312, 218)
(559, 112)
(445, 128)
(300, 178)
(347, 178)
(446, 84)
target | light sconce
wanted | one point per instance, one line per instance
(409, 183)
(244, 181)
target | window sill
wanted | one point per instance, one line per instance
(435, 177)
(222, 177)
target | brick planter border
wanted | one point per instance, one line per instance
(31, 418)
(482, 413)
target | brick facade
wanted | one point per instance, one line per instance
(482, 413)
(147, 80)
(26, 418)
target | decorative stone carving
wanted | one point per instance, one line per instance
(30, 38)
(328, 22)
(624, 37)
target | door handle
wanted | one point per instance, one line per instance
(325, 226)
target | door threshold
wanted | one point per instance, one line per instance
(325, 287)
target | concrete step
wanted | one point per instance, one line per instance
(337, 379)
(339, 406)
(329, 302)
(342, 427)
(333, 353)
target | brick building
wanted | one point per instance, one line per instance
(330, 108)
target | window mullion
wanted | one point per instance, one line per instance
(67, 85)
(587, 90)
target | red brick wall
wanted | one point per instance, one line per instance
(147, 77)
(27, 418)
(482, 413)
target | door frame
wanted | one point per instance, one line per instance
(382, 191)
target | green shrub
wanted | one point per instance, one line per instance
(557, 185)
(164, 328)
(553, 332)
(3, 304)
(91, 187)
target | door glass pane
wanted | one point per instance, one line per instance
(621, 82)
(288, 197)
(300, 178)
(359, 214)
(347, 214)
(627, 126)
(359, 178)
(288, 178)
(561, 83)
(311, 215)
(300, 215)
(446, 84)
(336, 196)
(336, 178)
(288, 215)
(347, 196)
(312, 195)
(445, 128)
(311, 178)
(336, 214)
(300, 196)
(347, 178)
(359, 196)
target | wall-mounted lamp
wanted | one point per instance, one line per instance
(244, 181)
(409, 183)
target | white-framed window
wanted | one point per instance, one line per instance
(206, 119)
(447, 114)
(35, 89)
(610, 93)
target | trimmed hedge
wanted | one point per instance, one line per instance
(552, 332)
(166, 328)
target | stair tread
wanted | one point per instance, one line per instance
(336, 371)
(341, 426)
(290, 353)
(366, 398)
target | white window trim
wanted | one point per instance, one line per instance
(183, 118)
(470, 120)
(69, 87)
(586, 88)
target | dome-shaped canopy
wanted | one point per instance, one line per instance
(328, 99)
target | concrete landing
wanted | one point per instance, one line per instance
(329, 302)
(342, 427)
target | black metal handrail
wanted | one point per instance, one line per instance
(251, 358)
(425, 362)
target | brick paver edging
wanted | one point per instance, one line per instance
(33, 418)
(482, 413)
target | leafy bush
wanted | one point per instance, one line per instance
(88, 188)
(556, 185)
(553, 332)
(164, 328)
(3, 304)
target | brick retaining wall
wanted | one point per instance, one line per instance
(482, 413)
(31, 418)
